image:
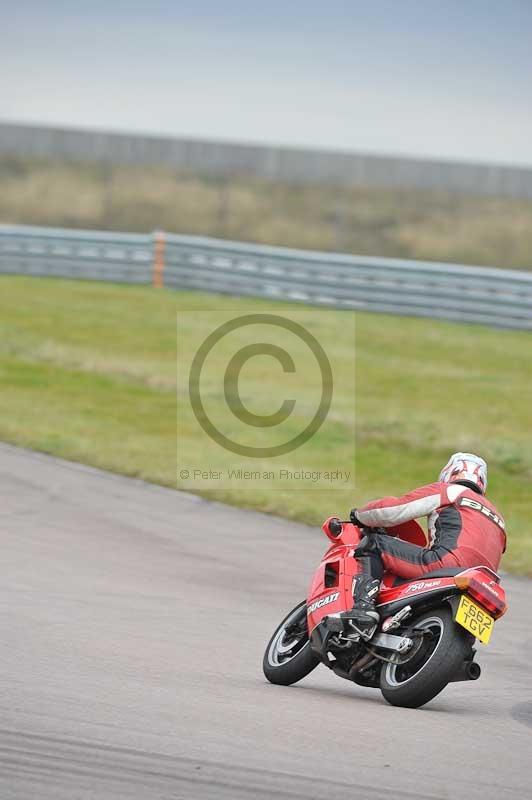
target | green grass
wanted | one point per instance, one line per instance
(405, 223)
(88, 371)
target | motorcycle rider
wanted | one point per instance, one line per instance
(465, 530)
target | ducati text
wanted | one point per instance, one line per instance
(330, 598)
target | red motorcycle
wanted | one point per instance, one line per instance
(436, 620)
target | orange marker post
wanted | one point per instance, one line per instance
(158, 259)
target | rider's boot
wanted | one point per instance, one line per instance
(364, 615)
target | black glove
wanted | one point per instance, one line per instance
(354, 519)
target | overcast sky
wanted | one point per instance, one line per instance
(449, 79)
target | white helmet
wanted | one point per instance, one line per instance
(466, 468)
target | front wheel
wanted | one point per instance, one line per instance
(289, 657)
(443, 648)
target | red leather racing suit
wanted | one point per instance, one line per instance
(465, 530)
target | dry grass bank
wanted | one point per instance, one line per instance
(400, 223)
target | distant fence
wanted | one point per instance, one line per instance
(446, 291)
(283, 164)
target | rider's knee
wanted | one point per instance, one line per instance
(365, 546)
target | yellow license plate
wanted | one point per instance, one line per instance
(474, 619)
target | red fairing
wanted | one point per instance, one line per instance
(390, 593)
(410, 532)
(331, 589)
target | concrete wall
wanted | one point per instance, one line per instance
(272, 163)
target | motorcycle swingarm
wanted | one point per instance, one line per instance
(320, 637)
(397, 644)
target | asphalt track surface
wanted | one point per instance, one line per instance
(133, 624)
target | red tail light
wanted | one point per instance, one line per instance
(484, 590)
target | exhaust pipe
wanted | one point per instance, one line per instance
(360, 664)
(468, 671)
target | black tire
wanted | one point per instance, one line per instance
(417, 681)
(291, 664)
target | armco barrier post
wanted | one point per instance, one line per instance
(159, 245)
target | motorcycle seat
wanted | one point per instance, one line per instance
(447, 572)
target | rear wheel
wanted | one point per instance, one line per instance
(289, 657)
(441, 651)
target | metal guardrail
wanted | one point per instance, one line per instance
(90, 255)
(489, 296)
